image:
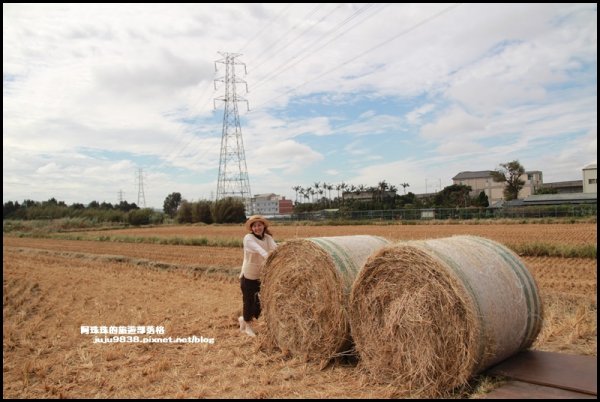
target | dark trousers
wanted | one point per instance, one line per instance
(250, 289)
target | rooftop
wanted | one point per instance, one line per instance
(472, 175)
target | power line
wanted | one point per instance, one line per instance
(423, 22)
(354, 15)
(271, 47)
(170, 155)
(265, 27)
(360, 11)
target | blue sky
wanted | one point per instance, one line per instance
(355, 93)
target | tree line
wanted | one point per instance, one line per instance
(96, 212)
(230, 210)
(384, 195)
(227, 210)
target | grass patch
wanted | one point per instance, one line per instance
(538, 249)
(173, 241)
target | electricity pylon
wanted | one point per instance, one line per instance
(141, 195)
(233, 178)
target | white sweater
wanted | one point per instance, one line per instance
(255, 254)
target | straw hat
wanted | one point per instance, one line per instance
(256, 218)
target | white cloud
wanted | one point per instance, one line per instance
(414, 116)
(453, 124)
(103, 88)
(286, 156)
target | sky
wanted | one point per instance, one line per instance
(98, 98)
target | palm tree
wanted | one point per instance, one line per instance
(296, 188)
(324, 186)
(305, 192)
(382, 187)
(405, 185)
(329, 188)
(343, 187)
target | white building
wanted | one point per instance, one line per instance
(271, 204)
(590, 176)
(483, 181)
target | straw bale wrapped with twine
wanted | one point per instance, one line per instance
(304, 293)
(428, 315)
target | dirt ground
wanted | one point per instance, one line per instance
(54, 288)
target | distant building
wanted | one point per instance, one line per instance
(590, 176)
(558, 199)
(271, 204)
(285, 206)
(366, 195)
(587, 185)
(565, 187)
(482, 181)
(550, 199)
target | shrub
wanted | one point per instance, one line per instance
(139, 216)
(229, 210)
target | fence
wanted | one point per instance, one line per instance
(547, 211)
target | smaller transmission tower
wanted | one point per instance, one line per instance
(141, 196)
(233, 178)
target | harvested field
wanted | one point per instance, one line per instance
(571, 234)
(225, 257)
(47, 298)
(576, 276)
(53, 287)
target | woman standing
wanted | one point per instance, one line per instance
(257, 246)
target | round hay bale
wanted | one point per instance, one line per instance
(428, 315)
(304, 293)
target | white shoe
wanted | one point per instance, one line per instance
(242, 323)
(249, 331)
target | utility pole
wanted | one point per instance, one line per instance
(120, 194)
(141, 196)
(233, 178)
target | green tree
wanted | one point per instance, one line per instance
(139, 216)
(184, 213)
(171, 204)
(125, 206)
(106, 205)
(229, 210)
(482, 200)
(510, 173)
(404, 185)
(10, 208)
(454, 196)
(77, 206)
(201, 212)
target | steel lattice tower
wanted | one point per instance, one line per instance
(141, 195)
(233, 173)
